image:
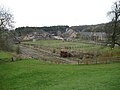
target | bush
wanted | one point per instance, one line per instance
(18, 51)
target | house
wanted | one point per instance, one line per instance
(69, 34)
(100, 35)
(39, 35)
(58, 38)
(29, 37)
(17, 40)
(93, 35)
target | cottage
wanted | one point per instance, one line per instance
(58, 38)
(93, 35)
(70, 34)
(28, 37)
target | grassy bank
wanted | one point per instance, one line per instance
(37, 75)
(5, 56)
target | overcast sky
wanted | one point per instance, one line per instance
(58, 12)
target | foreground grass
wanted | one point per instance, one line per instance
(37, 75)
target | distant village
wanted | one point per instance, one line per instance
(69, 35)
(64, 33)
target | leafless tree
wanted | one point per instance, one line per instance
(6, 23)
(114, 31)
(6, 19)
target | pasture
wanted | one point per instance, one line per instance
(76, 46)
(78, 50)
(30, 74)
(59, 44)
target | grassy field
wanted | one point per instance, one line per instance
(76, 46)
(5, 56)
(37, 75)
(63, 44)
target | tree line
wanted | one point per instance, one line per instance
(51, 29)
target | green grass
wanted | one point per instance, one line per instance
(77, 46)
(38, 75)
(5, 55)
(62, 44)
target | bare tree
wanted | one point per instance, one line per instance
(6, 19)
(114, 31)
(6, 23)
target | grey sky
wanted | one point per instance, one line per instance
(58, 12)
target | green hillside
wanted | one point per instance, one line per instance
(37, 75)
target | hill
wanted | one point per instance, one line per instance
(21, 31)
(37, 75)
(62, 29)
(89, 28)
